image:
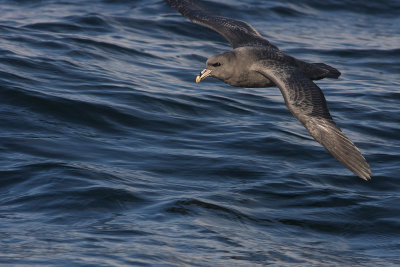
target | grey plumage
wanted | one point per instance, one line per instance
(238, 33)
(255, 62)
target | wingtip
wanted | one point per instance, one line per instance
(329, 135)
(366, 176)
(363, 171)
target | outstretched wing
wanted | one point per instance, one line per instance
(307, 103)
(238, 33)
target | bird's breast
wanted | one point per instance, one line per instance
(250, 80)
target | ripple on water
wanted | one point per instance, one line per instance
(112, 154)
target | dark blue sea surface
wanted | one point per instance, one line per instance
(111, 154)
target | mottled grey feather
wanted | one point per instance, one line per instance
(238, 33)
(307, 103)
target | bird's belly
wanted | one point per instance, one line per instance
(251, 80)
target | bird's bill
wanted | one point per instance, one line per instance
(203, 74)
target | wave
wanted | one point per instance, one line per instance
(111, 152)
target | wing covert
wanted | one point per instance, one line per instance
(307, 103)
(238, 33)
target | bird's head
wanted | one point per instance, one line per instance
(220, 66)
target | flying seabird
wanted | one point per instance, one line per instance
(255, 62)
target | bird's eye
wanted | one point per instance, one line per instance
(216, 64)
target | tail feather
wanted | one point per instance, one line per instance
(332, 72)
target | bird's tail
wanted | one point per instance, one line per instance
(332, 72)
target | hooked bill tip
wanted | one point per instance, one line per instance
(198, 79)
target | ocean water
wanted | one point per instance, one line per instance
(111, 154)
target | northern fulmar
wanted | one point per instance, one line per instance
(255, 62)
